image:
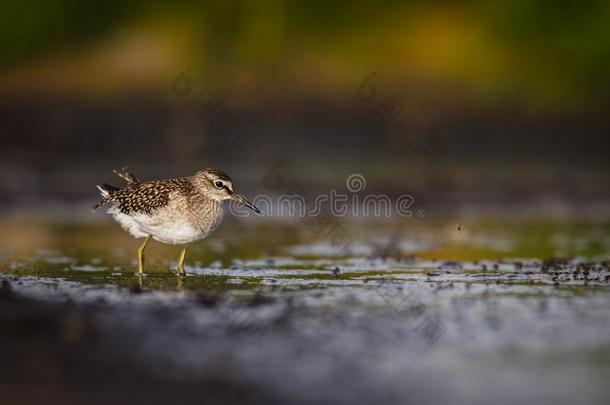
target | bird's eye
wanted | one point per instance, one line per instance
(219, 184)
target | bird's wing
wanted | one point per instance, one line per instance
(150, 196)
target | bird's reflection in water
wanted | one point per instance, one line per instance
(139, 285)
(181, 282)
(140, 281)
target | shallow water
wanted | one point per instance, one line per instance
(404, 313)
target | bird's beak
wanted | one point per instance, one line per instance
(243, 200)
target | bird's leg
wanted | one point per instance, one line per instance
(181, 261)
(141, 254)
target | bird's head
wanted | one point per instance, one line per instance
(217, 185)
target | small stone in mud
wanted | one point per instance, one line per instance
(135, 289)
(450, 266)
(6, 290)
(74, 328)
(260, 299)
(207, 299)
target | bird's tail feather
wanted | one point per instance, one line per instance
(127, 175)
(106, 190)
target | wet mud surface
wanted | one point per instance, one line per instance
(299, 326)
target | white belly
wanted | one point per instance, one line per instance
(173, 231)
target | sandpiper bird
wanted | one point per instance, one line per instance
(174, 211)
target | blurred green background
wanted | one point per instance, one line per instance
(515, 93)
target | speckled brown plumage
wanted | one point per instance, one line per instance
(220, 174)
(149, 196)
(145, 197)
